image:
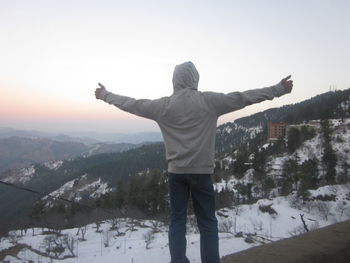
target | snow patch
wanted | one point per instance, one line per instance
(24, 175)
(53, 165)
(75, 189)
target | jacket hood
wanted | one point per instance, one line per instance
(185, 76)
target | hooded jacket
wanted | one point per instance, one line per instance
(188, 118)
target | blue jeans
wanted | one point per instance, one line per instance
(200, 187)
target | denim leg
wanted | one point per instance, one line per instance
(179, 194)
(203, 198)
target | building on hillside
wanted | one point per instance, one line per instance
(313, 125)
(276, 130)
(281, 129)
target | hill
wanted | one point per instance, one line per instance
(48, 177)
(134, 177)
(21, 152)
(253, 129)
(134, 240)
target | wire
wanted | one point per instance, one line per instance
(34, 191)
(48, 195)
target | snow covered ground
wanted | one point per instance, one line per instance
(241, 228)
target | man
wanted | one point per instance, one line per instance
(187, 120)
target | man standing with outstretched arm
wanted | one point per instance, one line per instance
(187, 120)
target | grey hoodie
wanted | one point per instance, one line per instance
(188, 118)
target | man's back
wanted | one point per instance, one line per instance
(188, 128)
(188, 117)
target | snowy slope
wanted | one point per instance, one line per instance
(241, 227)
(248, 226)
(83, 185)
(313, 149)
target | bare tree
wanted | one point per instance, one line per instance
(296, 202)
(115, 223)
(132, 223)
(192, 224)
(308, 205)
(106, 235)
(54, 246)
(148, 237)
(341, 207)
(237, 212)
(13, 237)
(225, 226)
(155, 224)
(98, 225)
(82, 231)
(257, 225)
(69, 242)
(324, 208)
(304, 223)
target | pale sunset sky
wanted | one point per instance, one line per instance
(54, 52)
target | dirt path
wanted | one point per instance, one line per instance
(327, 245)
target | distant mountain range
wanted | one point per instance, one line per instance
(84, 137)
(135, 138)
(21, 148)
(19, 152)
(109, 168)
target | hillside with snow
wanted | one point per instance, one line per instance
(129, 240)
(312, 149)
(118, 203)
(241, 224)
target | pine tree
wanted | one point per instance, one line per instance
(343, 177)
(239, 167)
(329, 157)
(294, 139)
(289, 176)
(119, 196)
(38, 210)
(259, 160)
(267, 185)
(218, 172)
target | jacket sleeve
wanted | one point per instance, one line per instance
(221, 103)
(146, 108)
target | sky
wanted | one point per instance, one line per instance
(54, 52)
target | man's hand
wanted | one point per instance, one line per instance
(287, 84)
(98, 92)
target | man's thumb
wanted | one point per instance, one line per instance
(288, 77)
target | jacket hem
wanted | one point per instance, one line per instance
(190, 170)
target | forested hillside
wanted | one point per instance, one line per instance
(136, 178)
(111, 168)
(232, 135)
